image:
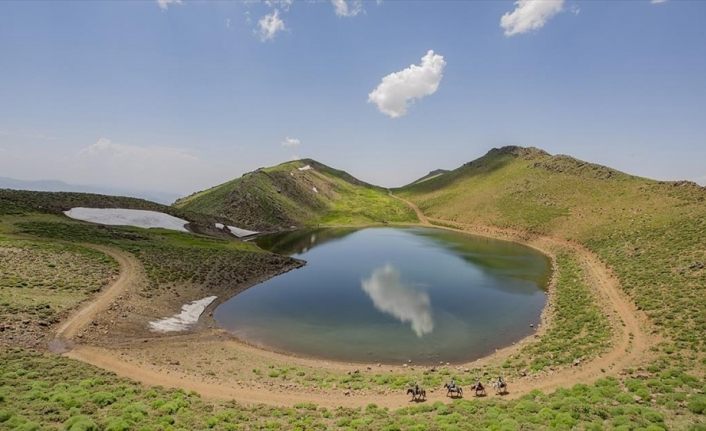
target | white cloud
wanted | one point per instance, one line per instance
(529, 15)
(281, 4)
(398, 89)
(269, 25)
(164, 4)
(291, 142)
(658, 1)
(347, 7)
(391, 295)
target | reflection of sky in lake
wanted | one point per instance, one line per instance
(391, 294)
(401, 300)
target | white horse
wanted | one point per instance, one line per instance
(500, 386)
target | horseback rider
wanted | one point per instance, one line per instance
(452, 385)
(479, 386)
(501, 382)
(416, 388)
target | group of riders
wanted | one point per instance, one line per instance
(454, 390)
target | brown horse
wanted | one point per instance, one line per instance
(480, 389)
(418, 394)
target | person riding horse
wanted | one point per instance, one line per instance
(479, 388)
(500, 386)
(418, 394)
(453, 390)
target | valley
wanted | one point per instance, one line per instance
(621, 331)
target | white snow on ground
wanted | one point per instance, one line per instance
(189, 315)
(315, 189)
(241, 232)
(127, 217)
(305, 168)
(237, 231)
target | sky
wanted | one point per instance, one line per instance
(177, 96)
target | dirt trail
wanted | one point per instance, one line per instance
(130, 270)
(631, 343)
(420, 215)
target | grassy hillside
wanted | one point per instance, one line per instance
(652, 233)
(290, 194)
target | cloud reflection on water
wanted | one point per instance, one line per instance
(391, 295)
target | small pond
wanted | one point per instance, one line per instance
(391, 294)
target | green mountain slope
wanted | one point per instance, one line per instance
(298, 193)
(652, 233)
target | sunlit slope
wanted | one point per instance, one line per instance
(652, 233)
(298, 193)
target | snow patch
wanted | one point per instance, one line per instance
(128, 217)
(305, 168)
(315, 189)
(240, 233)
(189, 315)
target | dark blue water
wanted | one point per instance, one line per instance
(392, 294)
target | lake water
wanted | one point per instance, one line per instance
(391, 295)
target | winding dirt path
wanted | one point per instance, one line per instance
(130, 271)
(630, 345)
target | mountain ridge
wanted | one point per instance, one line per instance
(295, 194)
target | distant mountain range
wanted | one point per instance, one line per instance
(60, 186)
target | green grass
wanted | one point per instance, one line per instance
(170, 258)
(578, 330)
(39, 392)
(40, 281)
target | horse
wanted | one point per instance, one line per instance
(418, 394)
(480, 389)
(454, 391)
(500, 387)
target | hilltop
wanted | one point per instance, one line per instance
(298, 193)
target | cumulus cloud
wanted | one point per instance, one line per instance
(398, 89)
(164, 4)
(391, 295)
(269, 25)
(347, 7)
(291, 142)
(529, 15)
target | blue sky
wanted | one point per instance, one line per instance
(180, 96)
